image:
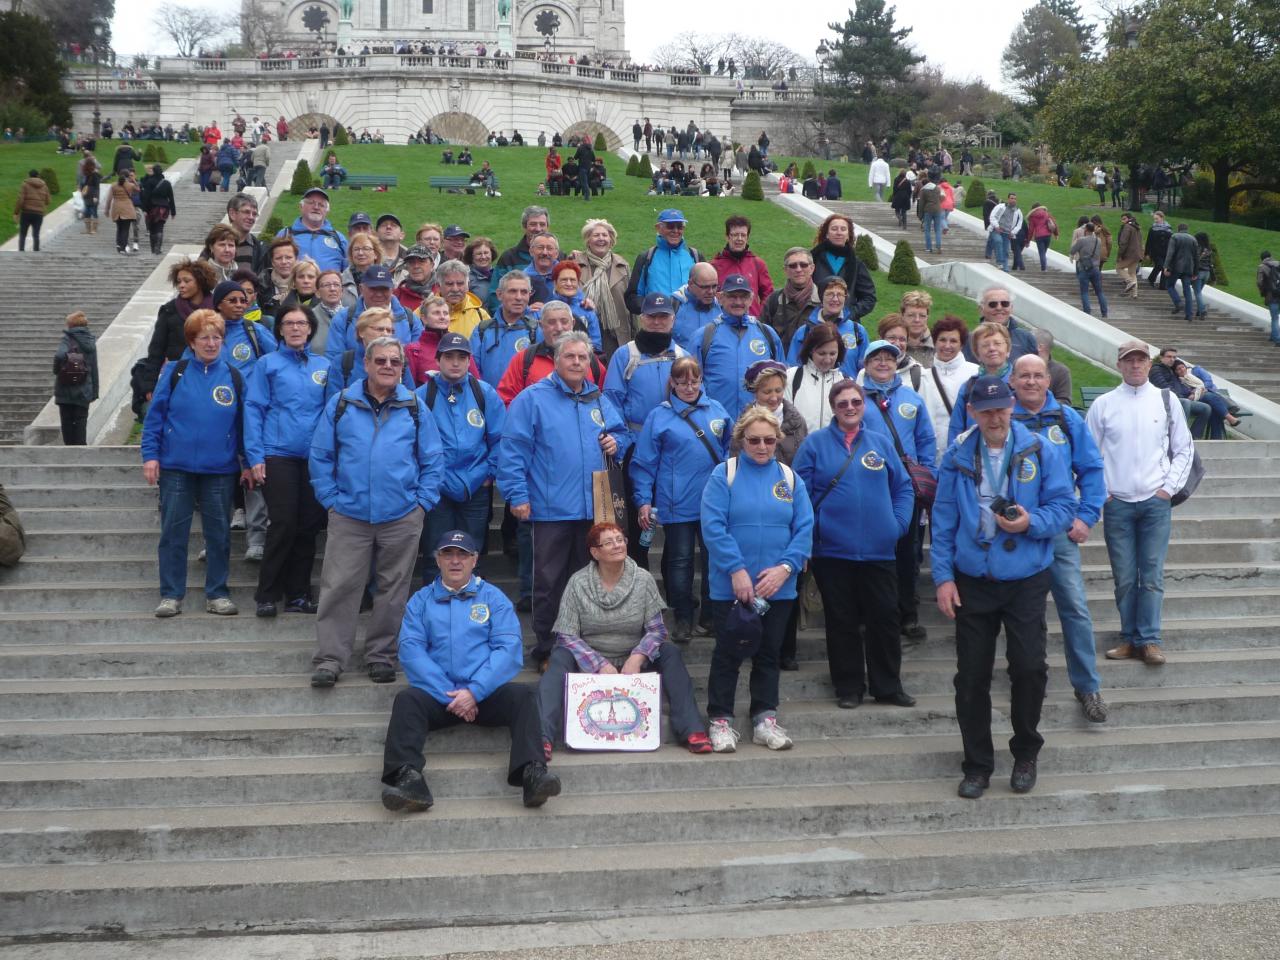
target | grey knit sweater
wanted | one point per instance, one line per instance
(612, 622)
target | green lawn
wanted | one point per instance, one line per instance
(1238, 245)
(17, 159)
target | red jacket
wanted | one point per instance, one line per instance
(420, 356)
(750, 266)
(514, 380)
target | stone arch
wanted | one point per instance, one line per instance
(591, 128)
(301, 125)
(458, 127)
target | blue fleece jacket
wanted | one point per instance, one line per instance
(853, 333)
(690, 319)
(407, 328)
(470, 435)
(671, 465)
(584, 319)
(737, 342)
(647, 387)
(464, 640)
(238, 344)
(1065, 429)
(910, 418)
(495, 342)
(960, 419)
(668, 269)
(757, 523)
(197, 428)
(326, 246)
(868, 511)
(1039, 482)
(551, 445)
(285, 396)
(380, 470)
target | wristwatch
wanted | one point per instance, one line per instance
(787, 567)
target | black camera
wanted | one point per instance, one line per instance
(1004, 508)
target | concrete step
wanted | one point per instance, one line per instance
(266, 894)
(782, 813)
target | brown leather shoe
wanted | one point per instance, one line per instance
(1152, 655)
(1126, 651)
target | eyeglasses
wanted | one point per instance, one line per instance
(848, 404)
(703, 286)
(687, 383)
(797, 265)
(295, 323)
(612, 542)
(388, 362)
(999, 303)
(760, 441)
(232, 298)
(209, 338)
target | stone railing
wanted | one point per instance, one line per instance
(81, 84)
(442, 63)
(776, 96)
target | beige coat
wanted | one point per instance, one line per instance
(619, 277)
(33, 196)
(120, 204)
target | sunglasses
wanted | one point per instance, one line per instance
(760, 441)
(848, 404)
(388, 362)
(999, 303)
(797, 266)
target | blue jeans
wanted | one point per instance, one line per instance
(1274, 307)
(1067, 586)
(1197, 286)
(1091, 276)
(227, 174)
(932, 221)
(1187, 292)
(179, 493)
(1137, 537)
(1198, 417)
(1002, 249)
(679, 541)
(1042, 247)
(1218, 410)
(470, 515)
(205, 185)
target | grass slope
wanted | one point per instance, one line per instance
(1239, 245)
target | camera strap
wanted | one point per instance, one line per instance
(998, 487)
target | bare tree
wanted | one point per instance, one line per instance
(190, 28)
(262, 25)
(691, 51)
(759, 57)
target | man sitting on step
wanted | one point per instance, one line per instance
(460, 647)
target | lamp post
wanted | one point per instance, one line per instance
(99, 29)
(824, 145)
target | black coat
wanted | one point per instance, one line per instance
(862, 289)
(168, 341)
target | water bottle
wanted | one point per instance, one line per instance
(760, 605)
(646, 536)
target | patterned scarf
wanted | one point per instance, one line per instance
(596, 288)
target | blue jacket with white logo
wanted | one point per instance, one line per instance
(1065, 429)
(470, 435)
(373, 467)
(851, 332)
(465, 640)
(1039, 482)
(691, 318)
(198, 427)
(326, 246)
(495, 342)
(551, 446)
(342, 329)
(757, 522)
(646, 387)
(735, 345)
(868, 511)
(670, 466)
(584, 319)
(284, 397)
(960, 419)
(238, 344)
(910, 418)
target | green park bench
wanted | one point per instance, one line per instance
(458, 183)
(357, 181)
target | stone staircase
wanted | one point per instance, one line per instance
(76, 271)
(161, 777)
(1225, 345)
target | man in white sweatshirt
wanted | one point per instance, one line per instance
(1146, 458)
(878, 176)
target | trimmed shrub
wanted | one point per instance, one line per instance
(340, 138)
(751, 189)
(1076, 180)
(161, 155)
(808, 170)
(193, 135)
(303, 180)
(274, 226)
(903, 269)
(976, 195)
(646, 168)
(865, 251)
(600, 144)
(149, 154)
(633, 166)
(50, 178)
(1219, 273)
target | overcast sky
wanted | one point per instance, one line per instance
(965, 40)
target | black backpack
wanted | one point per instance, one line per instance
(433, 390)
(74, 371)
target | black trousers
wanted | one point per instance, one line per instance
(986, 605)
(295, 518)
(909, 553)
(559, 551)
(75, 422)
(29, 221)
(788, 650)
(123, 228)
(155, 231)
(636, 551)
(415, 713)
(857, 595)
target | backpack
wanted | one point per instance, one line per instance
(433, 390)
(1272, 279)
(237, 381)
(731, 471)
(531, 354)
(341, 409)
(1196, 472)
(634, 358)
(646, 258)
(74, 371)
(710, 334)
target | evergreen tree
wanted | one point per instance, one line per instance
(646, 168)
(751, 189)
(869, 73)
(865, 251)
(600, 145)
(903, 269)
(302, 179)
(1041, 51)
(1069, 11)
(976, 195)
(633, 166)
(30, 69)
(50, 178)
(340, 138)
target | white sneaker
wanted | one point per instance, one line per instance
(133, 247)
(767, 733)
(221, 606)
(237, 519)
(724, 739)
(169, 607)
(254, 553)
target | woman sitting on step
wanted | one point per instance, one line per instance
(610, 621)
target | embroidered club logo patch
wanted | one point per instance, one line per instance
(223, 395)
(872, 460)
(597, 418)
(479, 613)
(1055, 435)
(850, 341)
(1026, 471)
(717, 427)
(475, 418)
(320, 377)
(758, 347)
(781, 491)
(331, 243)
(521, 343)
(907, 411)
(241, 352)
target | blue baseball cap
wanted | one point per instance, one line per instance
(671, 215)
(453, 341)
(358, 218)
(736, 283)
(875, 346)
(990, 393)
(377, 276)
(457, 540)
(657, 303)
